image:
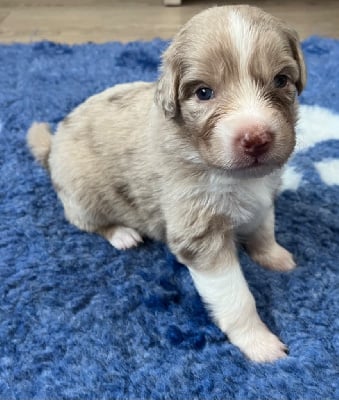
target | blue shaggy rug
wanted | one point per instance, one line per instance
(81, 320)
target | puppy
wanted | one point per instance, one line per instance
(193, 160)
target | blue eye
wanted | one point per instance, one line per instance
(280, 81)
(204, 93)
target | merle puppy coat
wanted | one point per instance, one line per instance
(193, 159)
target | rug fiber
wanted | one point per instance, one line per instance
(81, 320)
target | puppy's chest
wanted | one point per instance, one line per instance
(245, 203)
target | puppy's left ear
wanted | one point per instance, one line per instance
(294, 42)
(166, 94)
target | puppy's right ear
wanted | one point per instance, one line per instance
(166, 94)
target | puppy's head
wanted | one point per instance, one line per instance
(230, 80)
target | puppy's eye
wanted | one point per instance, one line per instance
(280, 81)
(204, 93)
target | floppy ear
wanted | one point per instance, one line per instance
(294, 42)
(166, 94)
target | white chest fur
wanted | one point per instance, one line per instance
(245, 201)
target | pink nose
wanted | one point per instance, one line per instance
(255, 144)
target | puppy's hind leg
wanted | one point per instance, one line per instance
(121, 237)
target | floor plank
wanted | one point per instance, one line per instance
(4, 12)
(78, 21)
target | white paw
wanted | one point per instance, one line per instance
(260, 345)
(276, 258)
(124, 238)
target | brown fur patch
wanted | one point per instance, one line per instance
(124, 191)
(201, 240)
(115, 97)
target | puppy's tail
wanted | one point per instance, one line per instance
(39, 140)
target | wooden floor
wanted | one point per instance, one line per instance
(77, 21)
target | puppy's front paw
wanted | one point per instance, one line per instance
(123, 238)
(260, 345)
(276, 258)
